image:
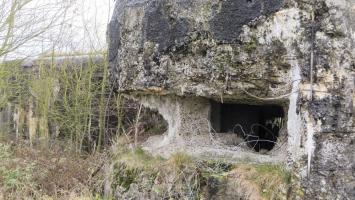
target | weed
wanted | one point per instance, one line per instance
(271, 181)
(180, 160)
(5, 152)
(48, 173)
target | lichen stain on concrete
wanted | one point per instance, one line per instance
(161, 28)
(232, 15)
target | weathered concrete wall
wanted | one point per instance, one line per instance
(329, 116)
(298, 54)
(186, 117)
(5, 118)
(188, 48)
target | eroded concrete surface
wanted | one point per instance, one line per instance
(174, 56)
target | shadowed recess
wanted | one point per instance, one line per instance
(258, 125)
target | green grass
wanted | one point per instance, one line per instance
(137, 158)
(272, 181)
(276, 170)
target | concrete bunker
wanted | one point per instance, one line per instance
(257, 126)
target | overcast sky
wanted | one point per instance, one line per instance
(81, 28)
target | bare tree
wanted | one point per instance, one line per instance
(25, 21)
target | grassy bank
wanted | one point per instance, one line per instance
(58, 172)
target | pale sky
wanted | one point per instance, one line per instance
(81, 28)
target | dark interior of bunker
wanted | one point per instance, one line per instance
(258, 125)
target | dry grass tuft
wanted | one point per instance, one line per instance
(264, 181)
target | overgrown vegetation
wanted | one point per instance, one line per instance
(56, 100)
(48, 173)
(125, 172)
(61, 101)
(138, 175)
